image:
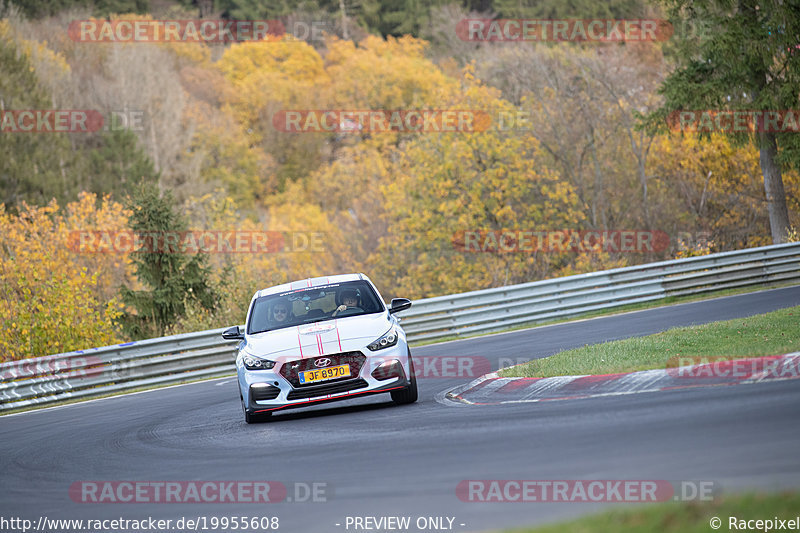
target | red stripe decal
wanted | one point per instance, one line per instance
(319, 344)
(336, 324)
(351, 393)
(300, 342)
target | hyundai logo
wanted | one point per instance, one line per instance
(322, 362)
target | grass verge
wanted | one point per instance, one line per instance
(768, 334)
(684, 517)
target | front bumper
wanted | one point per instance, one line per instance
(271, 390)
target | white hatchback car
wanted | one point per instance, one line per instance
(320, 340)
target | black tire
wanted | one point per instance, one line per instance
(410, 393)
(253, 418)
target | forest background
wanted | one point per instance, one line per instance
(576, 142)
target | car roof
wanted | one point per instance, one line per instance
(310, 282)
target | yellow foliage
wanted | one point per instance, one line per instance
(592, 262)
(454, 182)
(55, 300)
(384, 74)
(50, 65)
(229, 156)
(386, 203)
(311, 246)
(714, 186)
(284, 72)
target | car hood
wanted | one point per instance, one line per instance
(320, 338)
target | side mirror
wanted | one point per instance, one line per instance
(399, 304)
(233, 334)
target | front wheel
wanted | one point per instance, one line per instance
(408, 394)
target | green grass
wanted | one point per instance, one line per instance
(682, 517)
(669, 300)
(768, 334)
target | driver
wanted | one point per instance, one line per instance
(280, 313)
(349, 299)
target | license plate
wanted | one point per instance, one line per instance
(323, 374)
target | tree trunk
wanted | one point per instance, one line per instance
(205, 8)
(773, 187)
(343, 11)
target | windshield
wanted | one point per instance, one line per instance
(312, 304)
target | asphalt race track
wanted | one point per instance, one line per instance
(381, 460)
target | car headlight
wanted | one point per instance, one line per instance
(254, 363)
(387, 340)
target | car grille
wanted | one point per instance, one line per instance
(264, 393)
(323, 390)
(354, 359)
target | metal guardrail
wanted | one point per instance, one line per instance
(497, 309)
(179, 358)
(110, 369)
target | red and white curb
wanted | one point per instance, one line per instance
(491, 389)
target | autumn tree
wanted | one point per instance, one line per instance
(349, 192)
(267, 77)
(143, 78)
(222, 148)
(392, 73)
(712, 187)
(375, 74)
(55, 298)
(41, 8)
(303, 241)
(384, 17)
(559, 9)
(39, 166)
(34, 167)
(448, 183)
(581, 103)
(746, 60)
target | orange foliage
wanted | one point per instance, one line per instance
(55, 300)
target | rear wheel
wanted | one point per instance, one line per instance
(253, 418)
(408, 394)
